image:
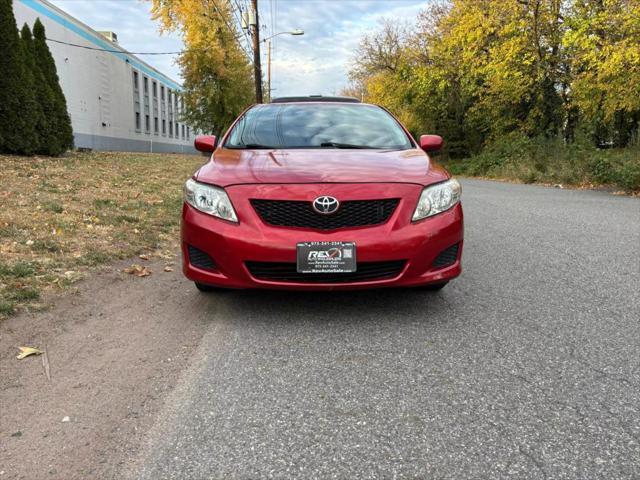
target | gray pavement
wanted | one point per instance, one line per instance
(527, 366)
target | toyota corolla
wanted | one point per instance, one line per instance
(320, 193)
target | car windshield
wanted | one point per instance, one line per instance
(316, 125)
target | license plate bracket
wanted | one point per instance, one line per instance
(326, 257)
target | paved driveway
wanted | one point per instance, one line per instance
(528, 366)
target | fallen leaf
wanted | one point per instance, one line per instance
(26, 351)
(168, 269)
(138, 270)
(144, 256)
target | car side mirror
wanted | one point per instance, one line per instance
(205, 143)
(431, 143)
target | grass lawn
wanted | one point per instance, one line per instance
(60, 217)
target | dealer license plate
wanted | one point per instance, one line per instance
(326, 257)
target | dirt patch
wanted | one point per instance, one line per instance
(115, 347)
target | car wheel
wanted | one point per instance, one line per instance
(208, 288)
(435, 287)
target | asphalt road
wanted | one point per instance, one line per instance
(527, 366)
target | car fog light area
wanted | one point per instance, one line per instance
(437, 199)
(209, 199)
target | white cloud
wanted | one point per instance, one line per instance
(314, 63)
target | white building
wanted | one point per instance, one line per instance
(116, 101)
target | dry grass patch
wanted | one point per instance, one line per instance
(60, 217)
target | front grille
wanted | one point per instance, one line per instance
(286, 272)
(352, 213)
(447, 257)
(200, 259)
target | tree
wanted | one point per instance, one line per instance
(218, 82)
(476, 71)
(36, 83)
(17, 126)
(603, 43)
(59, 134)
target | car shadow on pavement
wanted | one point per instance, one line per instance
(360, 305)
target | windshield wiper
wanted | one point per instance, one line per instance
(251, 145)
(342, 145)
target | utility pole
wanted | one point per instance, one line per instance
(269, 70)
(257, 71)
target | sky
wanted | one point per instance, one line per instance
(315, 63)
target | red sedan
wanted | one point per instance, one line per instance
(320, 193)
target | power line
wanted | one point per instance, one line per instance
(238, 18)
(231, 29)
(114, 51)
(123, 51)
(180, 52)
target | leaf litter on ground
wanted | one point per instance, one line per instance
(138, 270)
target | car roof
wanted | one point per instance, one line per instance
(315, 98)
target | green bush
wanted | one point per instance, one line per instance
(553, 161)
(33, 109)
(17, 103)
(628, 176)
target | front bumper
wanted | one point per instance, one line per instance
(230, 245)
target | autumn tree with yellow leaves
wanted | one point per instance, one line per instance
(478, 70)
(217, 74)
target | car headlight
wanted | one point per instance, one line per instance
(209, 199)
(437, 198)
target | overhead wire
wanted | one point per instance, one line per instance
(238, 19)
(114, 51)
(176, 52)
(231, 29)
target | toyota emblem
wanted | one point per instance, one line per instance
(326, 205)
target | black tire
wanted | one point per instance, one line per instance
(435, 287)
(208, 288)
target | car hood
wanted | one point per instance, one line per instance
(237, 167)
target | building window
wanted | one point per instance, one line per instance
(163, 111)
(154, 93)
(136, 100)
(187, 133)
(177, 130)
(146, 104)
(183, 131)
(170, 112)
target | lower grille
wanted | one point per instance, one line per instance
(286, 272)
(200, 259)
(447, 257)
(352, 213)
